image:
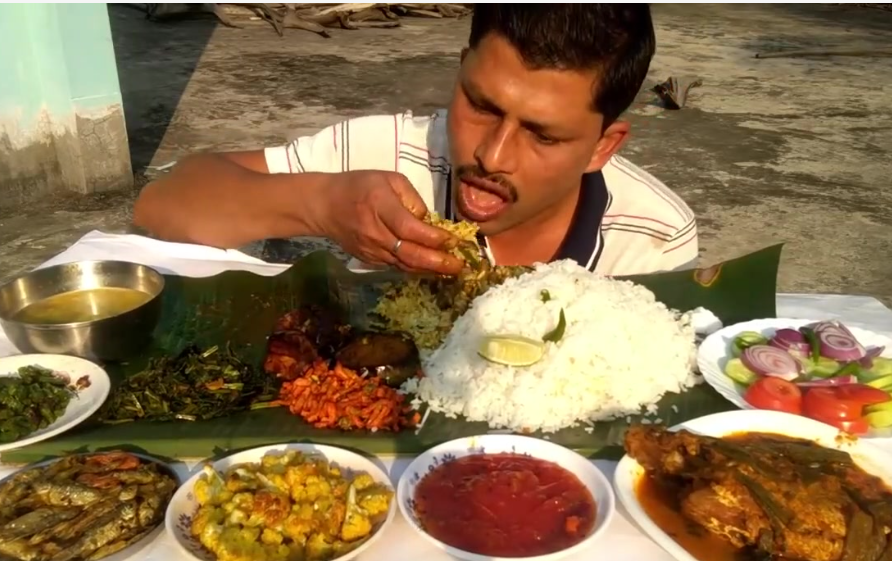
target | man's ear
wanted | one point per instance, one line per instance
(613, 139)
(464, 53)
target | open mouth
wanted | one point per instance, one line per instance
(481, 200)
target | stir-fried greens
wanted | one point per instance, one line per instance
(195, 385)
(32, 400)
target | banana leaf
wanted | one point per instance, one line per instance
(241, 308)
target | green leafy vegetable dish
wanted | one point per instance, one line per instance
(197, 384)
(31, 400)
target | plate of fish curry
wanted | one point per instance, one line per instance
(758, 486)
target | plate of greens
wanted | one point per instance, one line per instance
(824, 370)
(42, 395)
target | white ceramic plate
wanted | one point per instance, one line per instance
(715, 352)
(183, 505)
(585, 470)
(628, 472)
(80, 408)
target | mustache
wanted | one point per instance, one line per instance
(476, 172)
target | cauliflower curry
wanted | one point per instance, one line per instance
(289, 507)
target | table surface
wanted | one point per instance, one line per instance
(623, 539)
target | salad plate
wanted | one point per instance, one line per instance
(823, 370)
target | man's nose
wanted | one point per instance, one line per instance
(497, 153)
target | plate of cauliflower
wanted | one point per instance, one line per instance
(290, 502)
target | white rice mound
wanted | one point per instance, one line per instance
(620, 353)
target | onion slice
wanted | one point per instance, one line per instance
(790, 340)
(838, 345)
(829, 382)
(870, 354)
(839, 325)
(831, 324)
(771, 361)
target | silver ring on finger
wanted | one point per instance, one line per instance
(396, 246)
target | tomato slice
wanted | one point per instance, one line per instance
(857, 426)
(775, 394)
(824, 404)
(861, 393)
(852, 426)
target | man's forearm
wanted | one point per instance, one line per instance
(211, 200)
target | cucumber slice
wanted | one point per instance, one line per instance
(878, 407)
(882, 366)
(864, 376)
(737, 371)
(882, 383)
(823, 368)
(747, 339)
(879, 419)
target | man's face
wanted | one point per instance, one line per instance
(520, 139)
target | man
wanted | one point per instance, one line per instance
(527, 150)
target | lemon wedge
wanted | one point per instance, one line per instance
(511, 350)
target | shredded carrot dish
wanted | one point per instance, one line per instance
(340, 398)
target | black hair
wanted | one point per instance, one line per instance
(615, 40)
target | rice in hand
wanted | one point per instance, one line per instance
(620, 352)
(425, 309)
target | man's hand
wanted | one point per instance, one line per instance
(369, 212)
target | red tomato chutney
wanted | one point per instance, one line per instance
(504, 505)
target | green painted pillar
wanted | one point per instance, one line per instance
(61, 117)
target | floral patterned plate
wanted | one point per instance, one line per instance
(92, 391)
(588, 474)
(183, 505)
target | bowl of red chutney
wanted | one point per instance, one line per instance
(501, 496)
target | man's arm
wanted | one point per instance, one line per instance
(229, 200)
(682, 251)
(232, 199)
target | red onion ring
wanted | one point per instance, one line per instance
(790, 340)
(771, 361)
(838, 345)
(870, 354)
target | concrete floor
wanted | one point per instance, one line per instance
(768, 150)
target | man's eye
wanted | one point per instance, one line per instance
(477, 107)
(542, 139)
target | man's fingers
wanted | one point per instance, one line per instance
(408, 196)
(379, 259)
(411, 229)
(404, 226)
(419, 258)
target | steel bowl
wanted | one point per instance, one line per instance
(113, 338)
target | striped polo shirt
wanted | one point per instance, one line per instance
(626, 221)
